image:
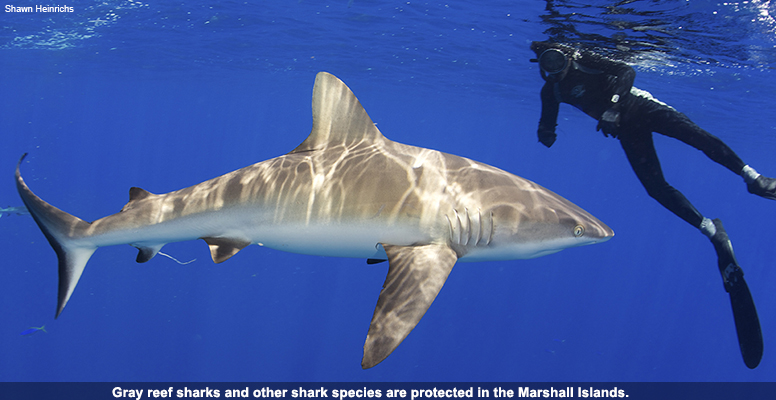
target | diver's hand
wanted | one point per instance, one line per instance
(610, 121)
(546, 135)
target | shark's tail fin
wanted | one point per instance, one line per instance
(61, 229)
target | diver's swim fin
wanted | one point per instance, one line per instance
(750, 337)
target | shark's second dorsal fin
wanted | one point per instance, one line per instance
(135, 194)
(338, 117)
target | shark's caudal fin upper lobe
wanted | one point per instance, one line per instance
(60, 228)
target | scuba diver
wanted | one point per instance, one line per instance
(603, 89)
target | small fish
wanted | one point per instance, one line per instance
(33, 329)
(21, 210)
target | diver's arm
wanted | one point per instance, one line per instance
(549, 118)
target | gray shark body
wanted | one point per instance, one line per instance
(346, 191)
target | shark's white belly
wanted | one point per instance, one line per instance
(338, 238)
(358, 239)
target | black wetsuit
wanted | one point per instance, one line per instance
(591, 83)
(603, 89)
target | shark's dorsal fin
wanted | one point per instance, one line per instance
(415, 277)
(338, 117)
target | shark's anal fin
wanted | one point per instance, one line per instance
(415, 276)
(222, 249)
(146, 253)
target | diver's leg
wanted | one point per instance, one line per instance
(677, 125)
(640, 150)
(758, 184)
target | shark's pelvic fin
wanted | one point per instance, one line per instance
(222, 249)
(416, 274)
(338, 117)
(60, 228)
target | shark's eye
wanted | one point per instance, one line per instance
(579, 230)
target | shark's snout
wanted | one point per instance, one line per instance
(597, 231)
(581, 227)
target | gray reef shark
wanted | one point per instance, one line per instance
(346, 191)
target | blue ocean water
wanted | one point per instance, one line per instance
(162, 96)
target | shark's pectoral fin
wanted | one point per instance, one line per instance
(415, 276)
(146, 253)
(222, 249)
